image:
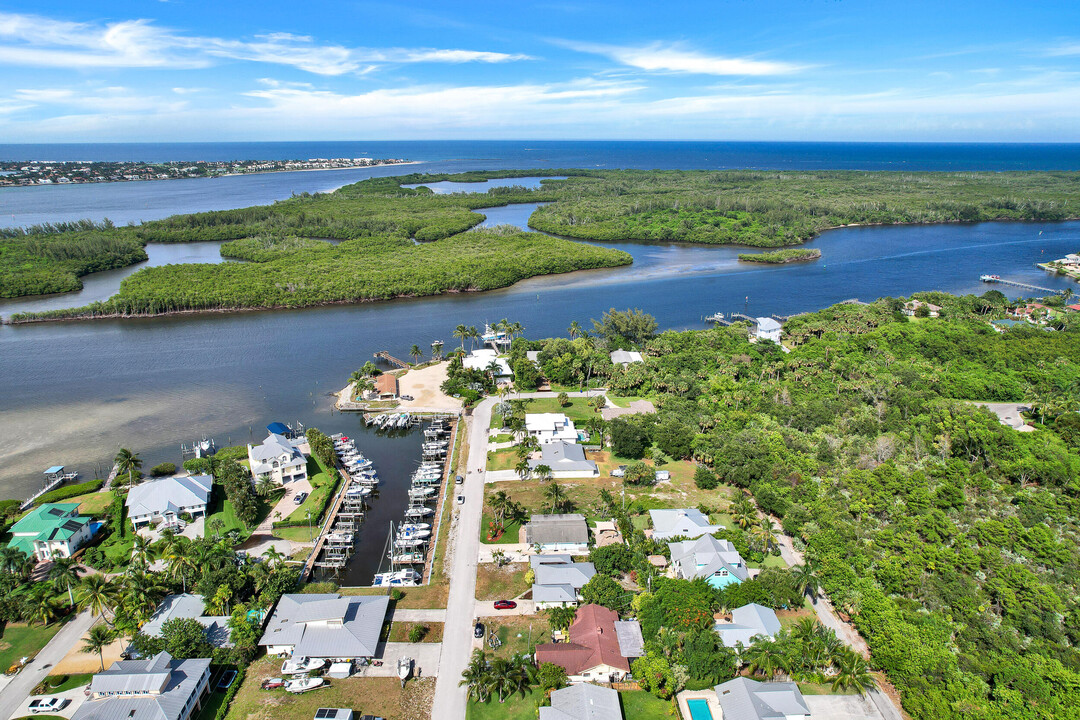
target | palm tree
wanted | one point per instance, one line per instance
(416, 353)
(436, 349)
(180, 559)
(64, 573)
(806, 581)
(766, 534)
(14, 561)
(543, 472)
(475, 677)
(41, 606)
(515, 328)
(97, 593)
(143, 551)
(742, 516)
(523, 469)
(274, 557)
(853, 673)
(556, 494)
(764, 657)
(461, 332)
(560, 617)
(501, 677)
(574, 330)
(265, 486)
(499, 503)
(474, 335)
(99, 638)
(129, 463)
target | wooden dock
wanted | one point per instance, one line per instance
(1025, 286)
(385, 355)
(324, 529)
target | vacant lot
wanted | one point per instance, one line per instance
(500, 583)
(21, 640)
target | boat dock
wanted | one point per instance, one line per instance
(55, 476)
(1013, 283)
(385, 355)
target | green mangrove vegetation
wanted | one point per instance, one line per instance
(380, 220)
(779, 257)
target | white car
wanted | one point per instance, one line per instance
(460, 499)
(48, 704)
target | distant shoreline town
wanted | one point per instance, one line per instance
(77, 172)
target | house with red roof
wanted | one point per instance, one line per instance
(593, 652)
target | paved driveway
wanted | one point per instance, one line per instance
(16, 692)
(425, 660)
(486, 609)
(75, 696)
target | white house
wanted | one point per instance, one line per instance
(482, 359)
(767, 329)
(745, 699)
(625, 357)
(330, 627)
(568, 533)
(189, 606)
(566, 460)
(747, 623)
(683, 522)
(51, 530)
(277, 458)
(549, 427)
(583, 702)
(159, 688)
(715, 560)
(557, 580)
(164, 500)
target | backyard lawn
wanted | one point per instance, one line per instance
(502, 459)
(578, 410)
(641, 705)
(20, 640)
(500, 583)
(95, 503)
(383, 697)
(399, 631)
(221, 510)
(515, 708)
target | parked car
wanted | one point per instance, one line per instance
(505, 604)
(619, 471)
(48, 704)
(300, 498)
(458, 480)
(460, 499)
(478, 630)
(226, 680)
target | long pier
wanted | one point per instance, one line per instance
(324, 529)
(385, 355)
(1025, 286)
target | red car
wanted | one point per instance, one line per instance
(505, 604)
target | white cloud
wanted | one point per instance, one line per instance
(658, 57)
(44, 42)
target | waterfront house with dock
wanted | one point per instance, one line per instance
(278, 458)
(326, 626)
(767, 329)
(50, 531)
(166, 499)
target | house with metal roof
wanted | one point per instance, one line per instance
(747, 623)
(631, 642)
(557, 580)
(277, 458)
(625, 357)
(745, 699)
(165, 499)
(683, 522)
(551, 427)
(482, 359)
(567, 533)
(51, 530)
(715, 560)
(326, 626)
(191, 606)
(592, 653)
(566, 460)
(160, 688)
(767, 329)
(583, 702)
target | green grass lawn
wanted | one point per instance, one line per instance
(502, 459)
(95, 503)
(510, 531)
(501, 438)
(533, 630)
(221, 509)
(68, 682)
(578, 410)
(322, 486)
(515, 708)
(641, 705)
(20, 640)
(500, 583)
(298, 534)
(496, 420)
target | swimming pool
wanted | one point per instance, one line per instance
(699, 709)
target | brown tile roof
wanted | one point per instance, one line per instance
(593, 642)
(386, 384)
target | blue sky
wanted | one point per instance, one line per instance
(188, 70)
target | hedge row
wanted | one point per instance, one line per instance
(70, 491)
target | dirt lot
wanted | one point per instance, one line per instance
(76, 661)
(500, 583)
(423, 386)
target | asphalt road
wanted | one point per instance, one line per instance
(15, 692)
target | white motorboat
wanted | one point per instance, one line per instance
(407, 558)
(358, 491)
(360, 464)
(419, 512)
(415, 526)
(302, 685)
(297, 666)
(409, 542)
(421, 492)
(404, 669)
(339, 538)
(414, 535)
(406, 577)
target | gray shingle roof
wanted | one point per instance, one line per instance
(173, 682)
(685, 522)
(560, 581)
(169, 494)
(707, 555)
(631, 643)
(746, 623)
(547, 529)
(327, 626)
(562, 456)
(583, 702)
(743, 699)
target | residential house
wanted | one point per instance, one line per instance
(566, 460)
(911, 307)
(482, 359)
(745, 699)
(386, 386)
(1075, 307)
(165, 499)
(683, 522)
(715, 560)
(191, 606)
(567, 533)
(279, 459)
(624, 357)
(583, 702)
(159, 688)
(326, 626)
(557, 580)
(51, 530)
(631, 642)
(592, 653)
(1032, 312)
(748, 622)
(550, 427)
(767, 329)
(606, 532)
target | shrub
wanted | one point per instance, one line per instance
(417, 633)
(165, 468)
(197, 466)
(70, 491)
(705, 478)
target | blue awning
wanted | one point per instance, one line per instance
(278, 428)
(54, 470)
